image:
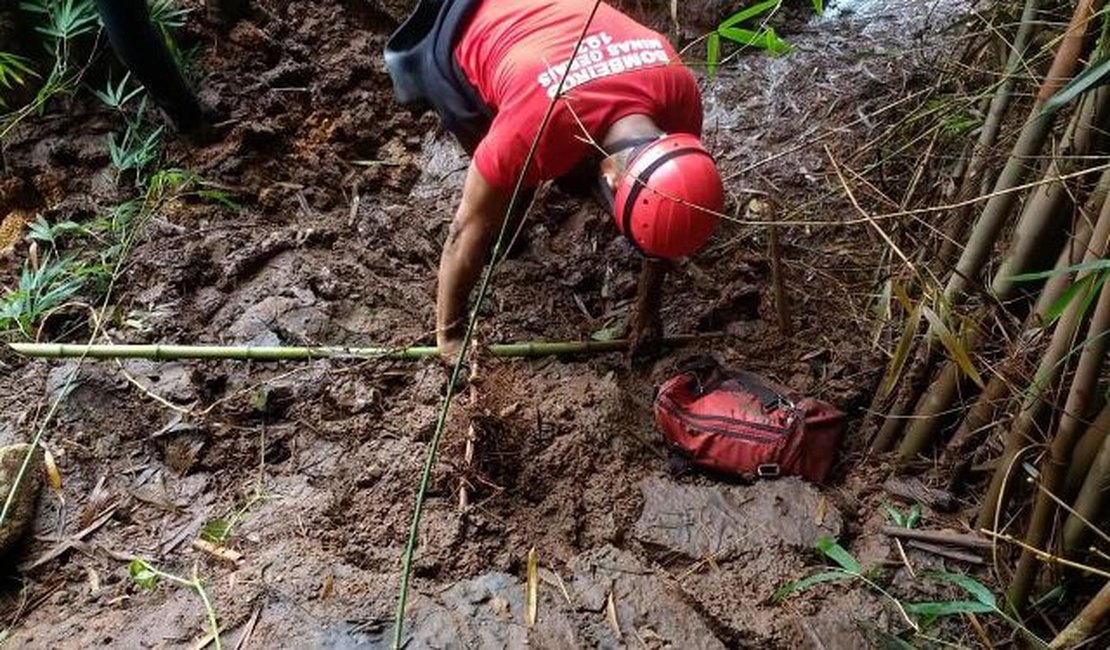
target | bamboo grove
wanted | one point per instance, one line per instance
(996, 388)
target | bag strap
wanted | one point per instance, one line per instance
(768, 396)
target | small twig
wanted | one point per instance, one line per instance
(938, 537)
(949, 553)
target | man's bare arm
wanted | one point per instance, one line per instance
(646, 327)
(476, 223)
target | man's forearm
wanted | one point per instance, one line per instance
(649, 294)
(459, 269)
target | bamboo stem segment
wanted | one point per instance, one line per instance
(277, 353)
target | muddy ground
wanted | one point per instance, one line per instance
(345, 201)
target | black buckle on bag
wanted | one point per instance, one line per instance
(768, 470)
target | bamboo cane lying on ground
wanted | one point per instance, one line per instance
(278, 353)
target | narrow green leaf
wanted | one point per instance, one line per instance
(914, 515)
(838, 554)
(1095, 75)
(795, 586)
(1057, 309)
(757, 9)
(712, 53)
(953, 345)
(901, 352)
(948, 608)
(895, 515)
(976, 589)
(1096, 265)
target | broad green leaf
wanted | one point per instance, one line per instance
(976, 589)
(819, 6)
(953, 345)
(142, 574)
(609, 333)
(216, 530)
(1096, 265)
(1095, 75)
(795, 586)
(838, 554)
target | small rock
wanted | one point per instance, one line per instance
(22, 512)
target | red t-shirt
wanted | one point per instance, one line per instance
(515, 51)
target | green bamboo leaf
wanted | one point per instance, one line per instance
(1096, 265)
(914, 515)
(713, 53)
(757, 9)
(901, 352)
(953, 345)
(895, 515)
(1057, 309)
(838, 554)
(976, 589)
(948, 608)
(1095, 75)
(819, 6)
(795, 586)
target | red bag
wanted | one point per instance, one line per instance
(740, 423)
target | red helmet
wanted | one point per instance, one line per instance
(668, 201)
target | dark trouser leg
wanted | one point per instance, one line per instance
(140, 47)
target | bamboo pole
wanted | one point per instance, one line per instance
(1040, 214)
(1085, 622)
(988, 134)
(1086, 450)
(276, 353)
(1048, 371)
(980, 416)
(1088, 504)
(1055, 466)
(1030, 141)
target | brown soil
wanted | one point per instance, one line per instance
(346, 200)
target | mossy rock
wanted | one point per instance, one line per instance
(22, 511)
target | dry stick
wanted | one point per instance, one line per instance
(938, 537)
(1047, 373)
(1045, 556)
(1088, 504)
(1054, 465)
(1029, 143)
(1085, 622)
(1040, 214)
(988, 134)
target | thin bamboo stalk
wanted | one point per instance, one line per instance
(988, 135)
(1055, 466)
(1088, 504)
(1086, 450)
(1085, 622)
(1030, 141)
(275, 353)
(957, 453)
(1040, 213)
(1048, 371)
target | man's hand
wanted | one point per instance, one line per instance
(449, 346)
(477, 220)
(645, 328)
